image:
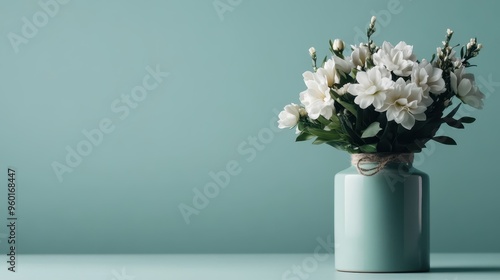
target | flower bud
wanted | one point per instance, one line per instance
(479, 46)
(449, 32)
(338, 45)
(439, 51)
(373, 20)
(302, 112)
(469, 45)
(312, 51)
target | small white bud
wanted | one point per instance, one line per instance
(338, 45)
(449, 32)
(373, 20)
(473, 41)
(439, 51)
(302, 112)
(469, 45)
(479, 46)
(312, 51)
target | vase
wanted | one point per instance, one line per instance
(382, 216)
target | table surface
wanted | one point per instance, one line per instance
(234, 267)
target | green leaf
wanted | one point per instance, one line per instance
(323, 134)
(324, 60)
(433, 57)
(350, 107)
(304, 136)
(462, 52)
(467, 119)
(453, 123)
(371, 130)
(301, 126)
(453, 112)
(444, 140)
(318, 141)
(339, 145)
(369, 148)
(323, 121)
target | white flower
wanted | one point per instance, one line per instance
(312, 51)
(317, 98)
(372, 87)
(464, 86)
(398, 59)
(359, 55)
(334, 69)
(289, 117)
(403, 104)
(429, 78)
(338, 45)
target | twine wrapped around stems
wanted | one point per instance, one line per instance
(380, 160)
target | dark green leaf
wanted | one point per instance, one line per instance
(318, 141)
(350, 107)
(467, 119)
(347, 127)
(444, 140)
(453, 112)
(453, 123)
(462, 52)
(304, 136)
(371, 130)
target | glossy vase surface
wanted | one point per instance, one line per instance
(382, 221)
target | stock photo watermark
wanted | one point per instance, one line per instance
(219, 180)
(223, 6)
(122, 275)
(323, 251)
(11, 219)
(31, 26)
(122, 108)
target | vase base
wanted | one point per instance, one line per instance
(383, 271)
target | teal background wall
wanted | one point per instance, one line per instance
(229, 72)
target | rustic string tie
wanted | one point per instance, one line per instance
(380, 160)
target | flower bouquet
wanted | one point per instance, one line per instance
(382, 105)
(381, 98)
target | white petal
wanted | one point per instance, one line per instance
(408, 121)
(464, 87)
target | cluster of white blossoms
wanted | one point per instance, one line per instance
(391, 80)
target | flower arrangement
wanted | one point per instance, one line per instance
(381, 99)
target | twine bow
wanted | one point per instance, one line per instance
(380, 159)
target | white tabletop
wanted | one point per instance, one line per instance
(234, 267)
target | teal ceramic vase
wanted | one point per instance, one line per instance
(382, 216)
